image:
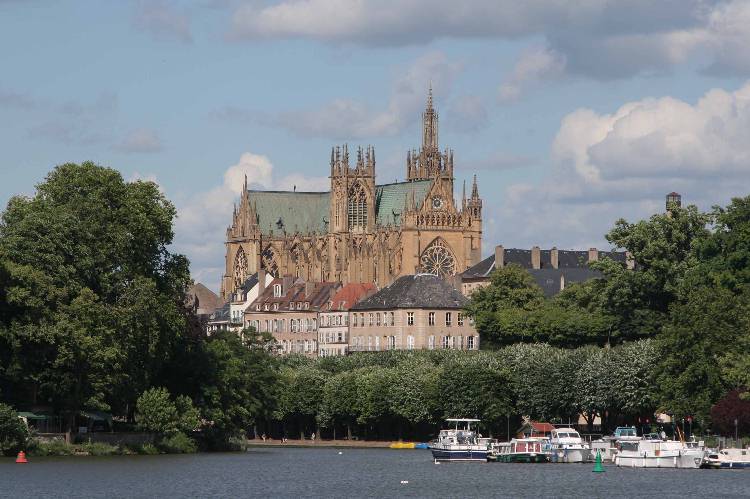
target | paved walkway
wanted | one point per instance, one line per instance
(317, 443)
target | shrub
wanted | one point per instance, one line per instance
(14, 434)
(155, 411)
(146, 449)
(52, 448)
(100, 449)
(178, 443)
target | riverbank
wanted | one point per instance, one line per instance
(358, 444)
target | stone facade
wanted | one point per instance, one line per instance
(288, 309)
(416, 312)
(360, 231)
(333, 320)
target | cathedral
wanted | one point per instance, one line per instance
(360, 231)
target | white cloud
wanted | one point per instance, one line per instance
(202, 219)
(534, 66)
(352, 119)
(467, 113)
(598, 38)
(607, 166)
(161, 19)
(140, 141)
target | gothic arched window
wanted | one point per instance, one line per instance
(268, 261)
(240, 268)
(438, 259)
(357, 206)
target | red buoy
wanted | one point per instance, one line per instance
(21, 457)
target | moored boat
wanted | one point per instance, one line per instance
(519, 450)
(728, 459)
(608, 446)
(459, 443)
(657, 453)
(567, 446)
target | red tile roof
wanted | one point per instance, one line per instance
(541, 427)
(351, 294)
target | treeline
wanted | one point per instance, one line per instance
(689, 292)
(405, 394)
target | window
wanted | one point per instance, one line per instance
(372, 318)
(431, 319)
(444, 342)
(357, 206)
(354, 320)
(377, 319)
(369, 343)
(431, 342)
(277, 290)
(391, 343)
(377, 343)
(307, 305)
(275, 306)
(291, 305)
(460, 319)
(448, 319)
(410, 318)
(460, 342)
(265, 306)
(470, 342)
(410, 342)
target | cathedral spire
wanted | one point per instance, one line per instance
(463, 202)
(475, 189)
(429, 125)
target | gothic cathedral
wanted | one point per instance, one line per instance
(360, 231)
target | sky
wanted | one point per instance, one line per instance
(572, 113)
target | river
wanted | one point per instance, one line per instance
(351, 473)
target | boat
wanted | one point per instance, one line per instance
(460, 443)
(520, 450)
(607, 446)
(650, 452)
(403, 445)
(728, 459)
(567, 446)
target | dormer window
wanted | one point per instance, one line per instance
(275, 306)
(307, 305)
(291, 305)
(257, 307)
(277, 290)
(265, 307)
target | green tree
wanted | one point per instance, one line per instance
(87, 268)
(13, 432)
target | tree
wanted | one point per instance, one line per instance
(87, 269)
(728, 409)
(13, 432)
(413, 394)
(339, 404)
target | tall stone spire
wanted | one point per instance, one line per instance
(429, 125)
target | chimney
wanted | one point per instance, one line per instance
(593, 255)
(261, 281)
(562, 281)
(553, 257)
(286, 283)
(309, 289)
(536, 258)
(499, 256)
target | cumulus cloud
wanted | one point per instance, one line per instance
(140, 141)
(202, 220)
(162, 19)
(598, 38)
(607, 166)
(534, 66)
(467, 113)
(352, 119)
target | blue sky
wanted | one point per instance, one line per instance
(571, 113)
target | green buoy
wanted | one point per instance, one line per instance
(598, 467)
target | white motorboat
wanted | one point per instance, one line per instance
(658, 453)
(567, 446)
(728, 459)
(607, 446)
(460, 443)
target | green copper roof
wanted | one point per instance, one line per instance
(292, 211)
(306, 212)
(390, 199)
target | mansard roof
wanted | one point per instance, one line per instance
(308, 212)
(349, 295)
(415, 291)
(566, 259)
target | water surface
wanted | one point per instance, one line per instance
(323, 472)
